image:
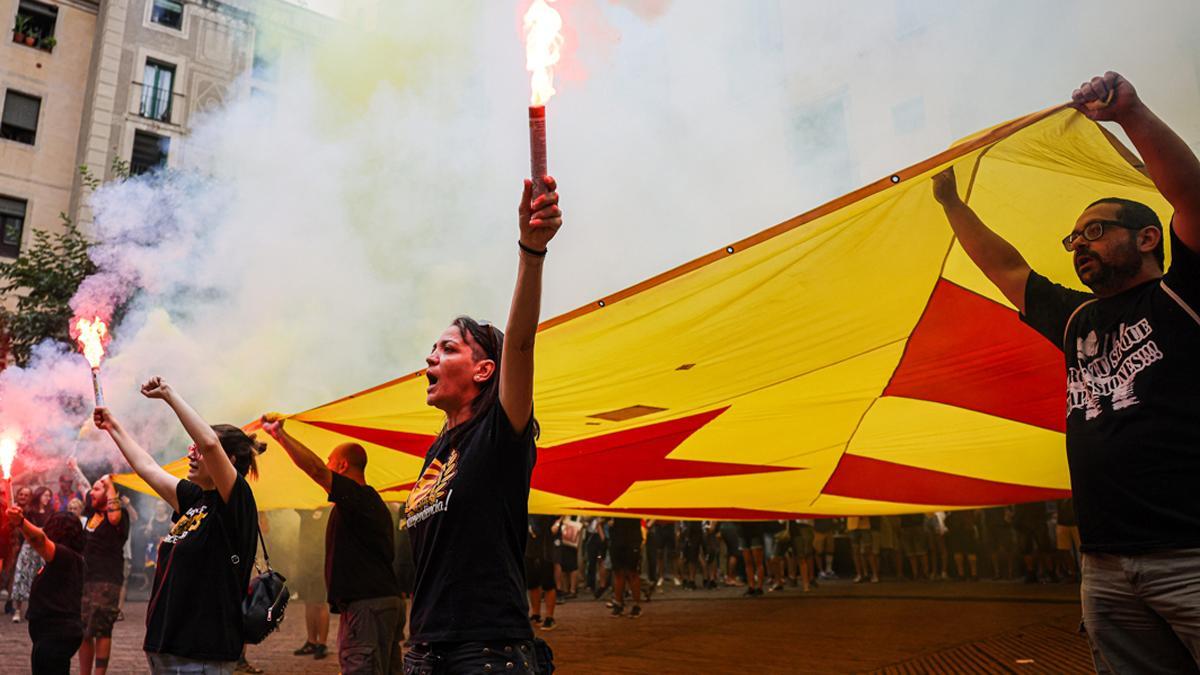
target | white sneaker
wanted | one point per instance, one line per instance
(16, 616)
(874, 579)
(857, 578)
(677, 582)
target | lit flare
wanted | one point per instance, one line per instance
(92, 336)
(543, 47)
(8, 452)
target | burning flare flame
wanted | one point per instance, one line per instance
(91, 336)
(8, 452)
(543, 47)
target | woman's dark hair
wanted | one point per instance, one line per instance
(242, 449)
(487, 342)
(64, 530)
(35, 503)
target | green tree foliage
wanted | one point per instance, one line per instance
(43, 280)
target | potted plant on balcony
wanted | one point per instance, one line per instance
(47, 43)
(31, 37)
(20, 25)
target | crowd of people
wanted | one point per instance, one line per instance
(629, 560)
(102, 547)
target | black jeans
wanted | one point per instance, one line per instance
(52, 656)
(503, 656)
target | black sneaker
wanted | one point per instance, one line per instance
(635, 612)
(549, 623)
(617, 610)
(749, 593)
(535, 618)
(305, 650)
(320, 652)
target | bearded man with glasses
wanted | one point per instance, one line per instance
(1132, 350)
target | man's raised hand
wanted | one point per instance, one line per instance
(945, 188)
(1107, 97)
(272, 424)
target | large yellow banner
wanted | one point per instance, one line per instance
(851, 360)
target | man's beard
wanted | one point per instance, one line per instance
(1108, 276)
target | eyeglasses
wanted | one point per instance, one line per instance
(1094, 230)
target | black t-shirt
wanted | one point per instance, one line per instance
(625, 532)
(1133, 431)
(912, 520)
(104, 548)
(359, 545)
(467, 518)
(54, 597)
(195, 608)
(540, 545)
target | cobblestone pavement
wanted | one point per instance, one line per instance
(840, 627)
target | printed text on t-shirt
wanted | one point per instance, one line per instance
(1110, 370)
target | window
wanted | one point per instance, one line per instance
(12, 223)
(35, 21)
(266, 56)
(149, 152)
(157, 82)
(20, 117)
(167, 13)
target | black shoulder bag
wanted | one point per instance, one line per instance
(266, 598)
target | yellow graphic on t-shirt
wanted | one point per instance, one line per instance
(188, 523)
(432, 486)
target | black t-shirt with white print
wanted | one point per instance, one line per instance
(195, 608)
(467, 520)
(1133, 405)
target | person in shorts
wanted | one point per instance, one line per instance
(539, 569)
(750, 541)
(691, 543)
(863, 545)
(566, 571)
(999, 540)
(914, 545)
(802, 550)
(309, 583)
(711, 553)
(105, 536)
(625, 552)
(728, 531)
(824, 531)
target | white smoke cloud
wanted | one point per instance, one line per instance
(318, 239)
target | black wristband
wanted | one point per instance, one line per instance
(532, 251)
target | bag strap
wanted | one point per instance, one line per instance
(234, 558)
